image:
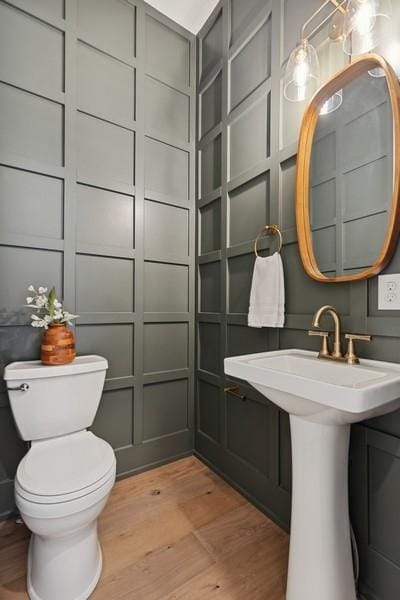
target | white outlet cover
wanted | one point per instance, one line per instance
(389, 292)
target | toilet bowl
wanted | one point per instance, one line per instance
(64, 559)
(63, 482)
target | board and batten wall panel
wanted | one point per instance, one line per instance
(247, 138)
(97, 137)
(236, 138)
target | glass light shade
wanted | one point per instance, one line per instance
(366, 24)
(332, 104)
(302, 73)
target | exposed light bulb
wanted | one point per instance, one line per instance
(365, 18)
(300, 74)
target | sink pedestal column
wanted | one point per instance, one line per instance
(320, 559)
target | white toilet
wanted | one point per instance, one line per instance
(63, 482)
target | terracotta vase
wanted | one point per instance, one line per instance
(58, 345)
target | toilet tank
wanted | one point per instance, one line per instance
(49, 401)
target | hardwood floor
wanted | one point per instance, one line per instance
(178, 532)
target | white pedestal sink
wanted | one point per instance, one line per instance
(323, 398)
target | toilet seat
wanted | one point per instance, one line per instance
(64, 469)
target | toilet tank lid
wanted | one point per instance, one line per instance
(34, 369)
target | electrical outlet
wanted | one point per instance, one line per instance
(389, 292)
(391, 285)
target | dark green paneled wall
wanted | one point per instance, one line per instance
(247, 136)
(97, 135)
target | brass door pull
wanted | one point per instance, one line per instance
(234, 391)
(350, 356)
(324, 347)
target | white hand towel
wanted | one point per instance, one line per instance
(267, 297)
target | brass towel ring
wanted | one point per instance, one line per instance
(273, 229)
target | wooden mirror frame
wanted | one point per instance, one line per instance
(307, 131)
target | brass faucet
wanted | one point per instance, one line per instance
(337, 351)
(350, 357)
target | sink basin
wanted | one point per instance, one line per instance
(320, 390)
(322, 398)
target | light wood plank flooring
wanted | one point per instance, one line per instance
(178, 532)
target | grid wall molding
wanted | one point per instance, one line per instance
(247, 138)
(97, 163)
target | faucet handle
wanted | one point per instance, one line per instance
(324, 334)
(318, 332)
(350, 355)
(358, 336)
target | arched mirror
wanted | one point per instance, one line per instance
(348, 173)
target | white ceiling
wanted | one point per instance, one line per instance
(191, 14)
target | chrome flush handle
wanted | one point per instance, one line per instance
(24, 387)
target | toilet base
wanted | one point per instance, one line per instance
(64, 568)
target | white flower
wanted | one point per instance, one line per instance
(48, 308)
(40, 323)
(41, 301)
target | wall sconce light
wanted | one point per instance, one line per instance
(361, 25)
(302, 73)
(366, 24)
